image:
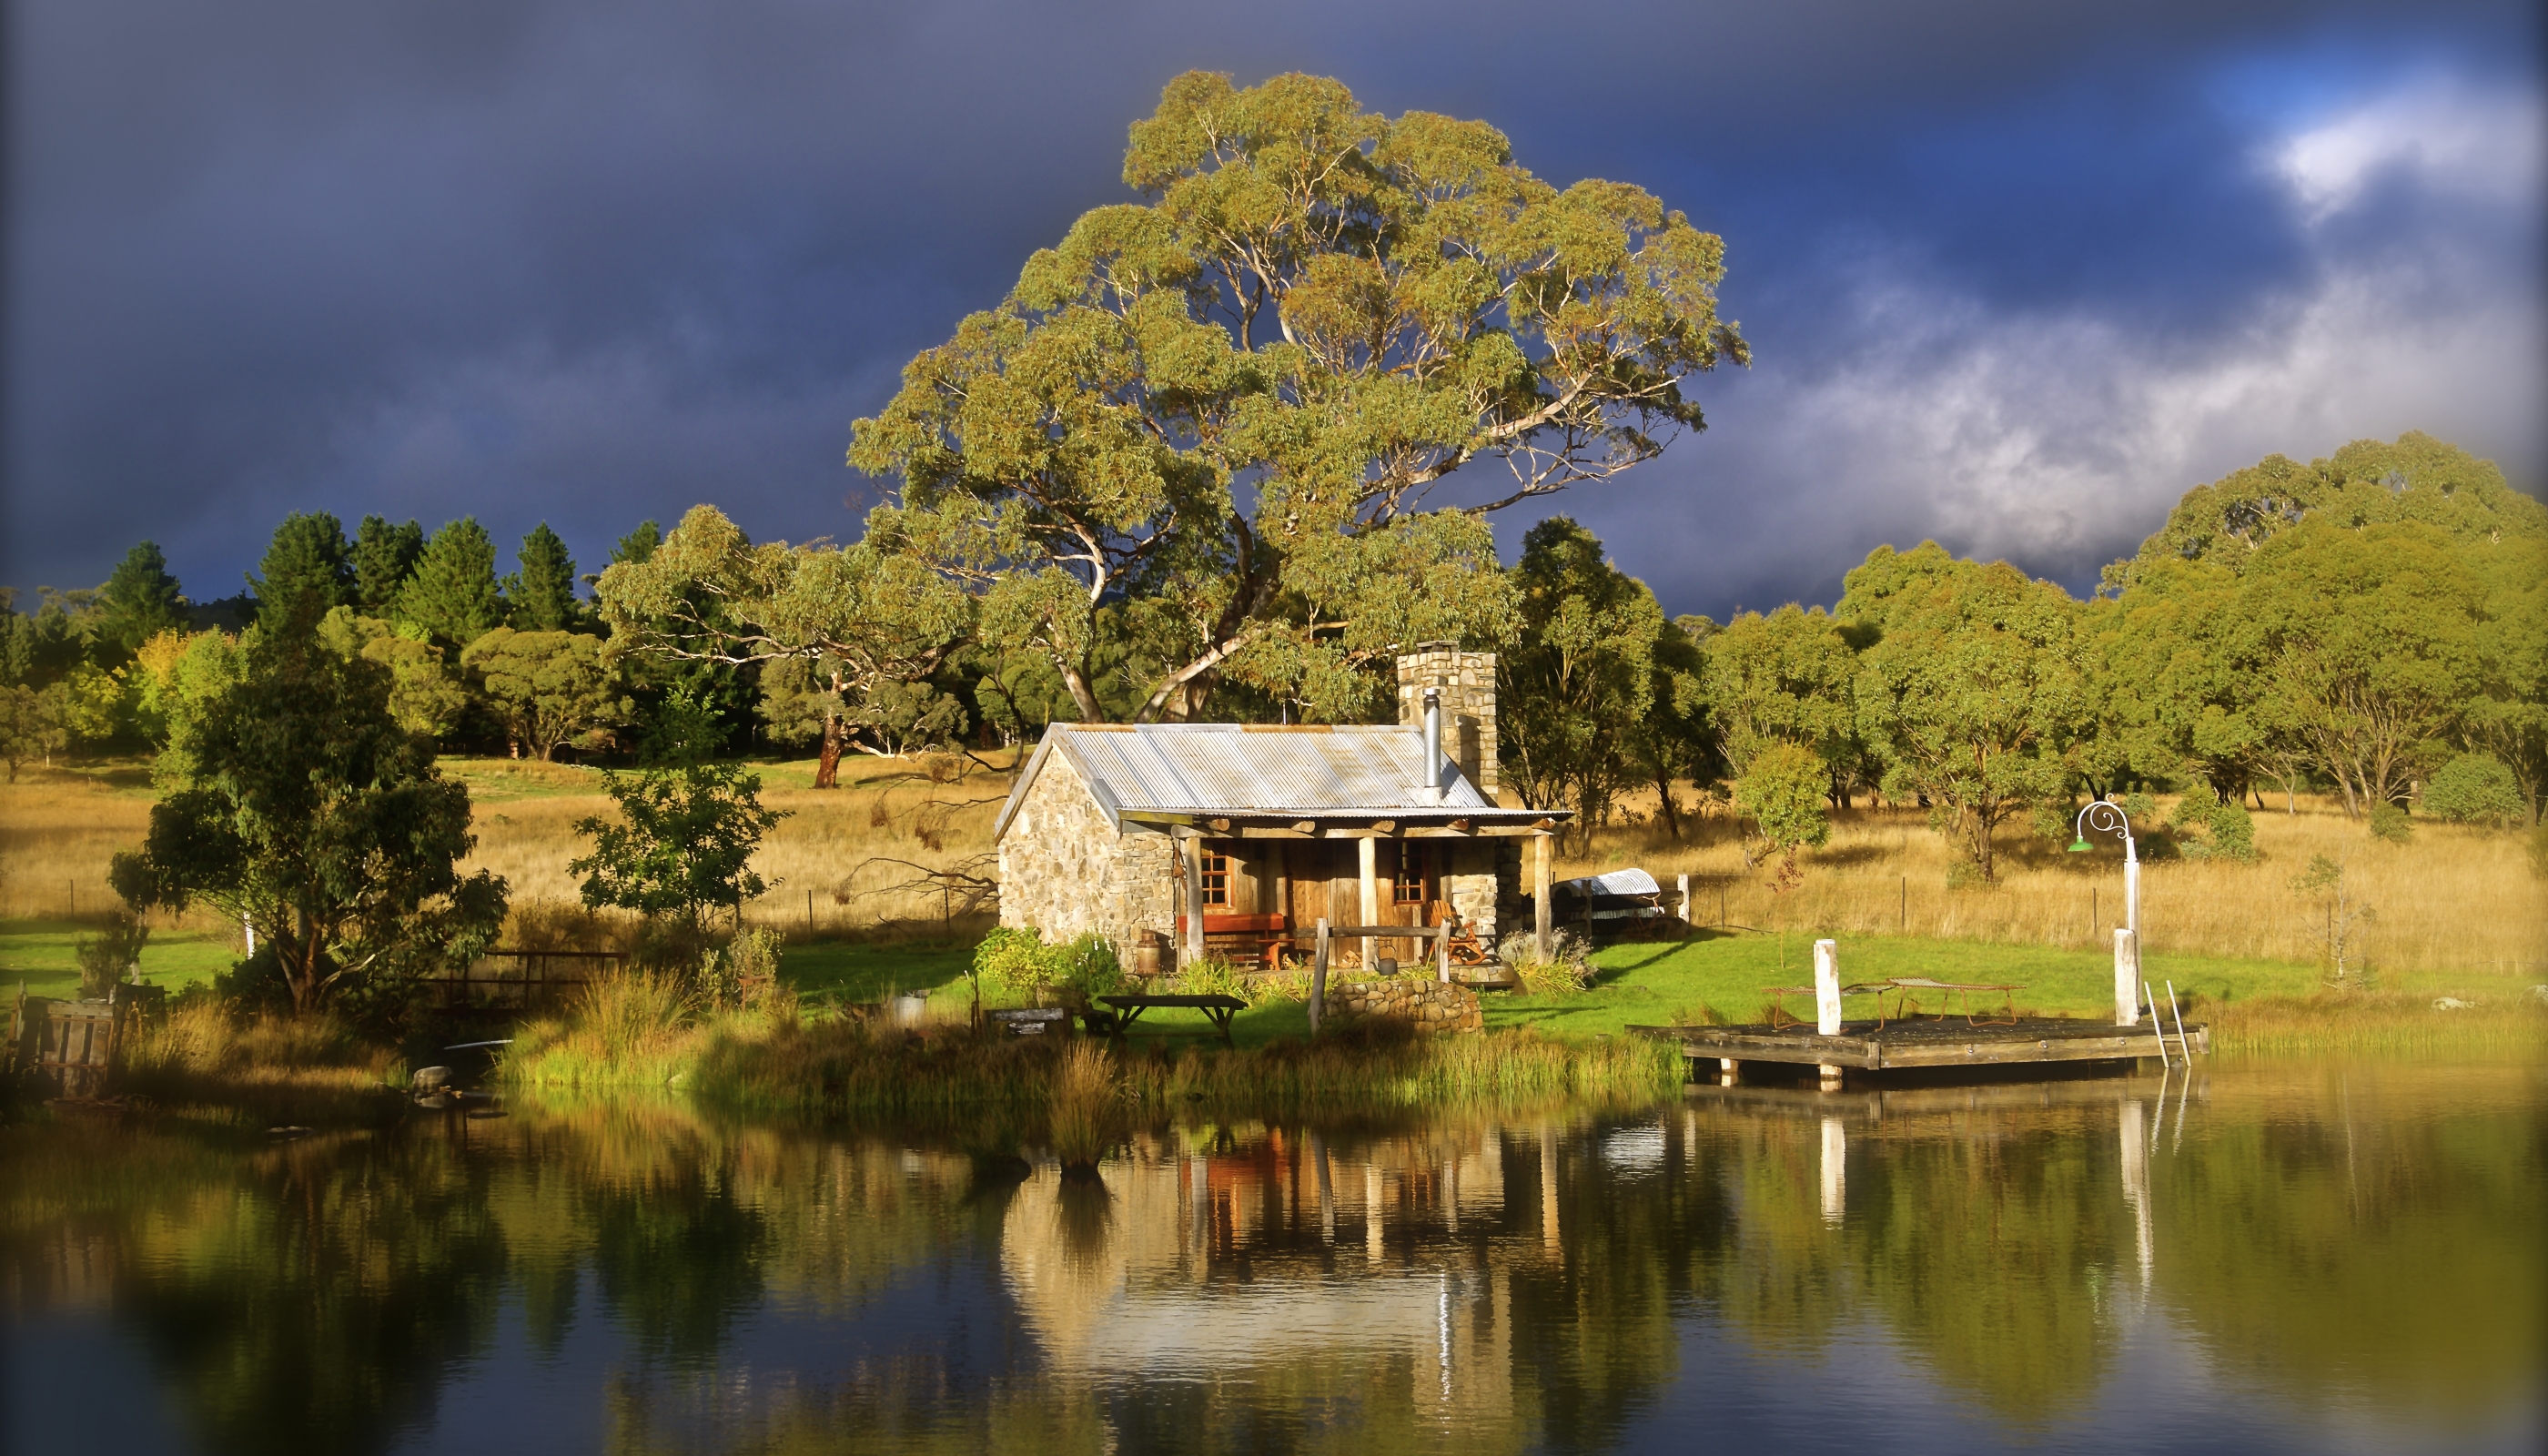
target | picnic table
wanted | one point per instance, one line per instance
(1905, 985)
(1779, 1015)
(1217, 1009)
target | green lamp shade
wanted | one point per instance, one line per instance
(2078, 846)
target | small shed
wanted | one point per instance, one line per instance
(1238, 838)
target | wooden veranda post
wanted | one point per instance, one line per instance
(1442, 952)
(1543, 910)
(1370, 848)
(1193, 955)
(1318, 978)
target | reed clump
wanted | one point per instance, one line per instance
(205, 1052)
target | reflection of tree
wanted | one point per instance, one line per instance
(2324, 1245)
(1983, 1251)
(318, 1306)
(1521, 1287)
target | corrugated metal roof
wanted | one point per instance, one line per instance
(1249, 768)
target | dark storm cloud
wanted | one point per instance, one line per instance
(2017, 274)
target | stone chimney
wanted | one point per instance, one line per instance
(1467, 683)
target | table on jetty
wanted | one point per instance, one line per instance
(1219, 1009)
(1924, 1041)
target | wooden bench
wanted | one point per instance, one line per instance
(1258, 938)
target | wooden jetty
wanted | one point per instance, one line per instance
(1931, 1041)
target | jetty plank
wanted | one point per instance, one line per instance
(1944, 1042)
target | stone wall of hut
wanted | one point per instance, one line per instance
(1064, 870)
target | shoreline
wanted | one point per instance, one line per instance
(776, 1061)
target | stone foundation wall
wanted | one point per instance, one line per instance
(1064, 870)
(1429, 1006)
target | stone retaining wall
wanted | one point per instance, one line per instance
(1430, 1006)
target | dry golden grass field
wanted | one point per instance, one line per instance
(2451, 899)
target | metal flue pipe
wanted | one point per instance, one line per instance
(1433, 745)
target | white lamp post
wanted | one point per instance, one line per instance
(2105, 817)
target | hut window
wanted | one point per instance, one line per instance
(1216, 879)
(1406, 883)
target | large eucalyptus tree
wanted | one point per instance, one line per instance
(1269, 409)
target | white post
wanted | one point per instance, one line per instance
(2131, 888)
(1827, 987)
(1827, 1004)
(2135, 1159)
(1685, 899)
(1835, 1169)
(2128, 979)
(1373, 1192)
(1442, 952)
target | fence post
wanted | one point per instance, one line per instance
(1684, 898)
(1442, 952)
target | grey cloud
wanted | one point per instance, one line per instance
(594, 262)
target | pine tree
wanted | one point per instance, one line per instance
(308, 559)
(638, 544)
(543, 590)
(452, 593)
(141, 600)
(385, 557)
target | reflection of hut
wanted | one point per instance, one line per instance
(1238, 838)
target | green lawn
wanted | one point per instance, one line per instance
(1647, 984)
(1634, 984)
(39, 953)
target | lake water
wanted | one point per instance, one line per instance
(2258, 1258)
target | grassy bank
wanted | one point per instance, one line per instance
(638, 1031)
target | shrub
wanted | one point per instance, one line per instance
(1214, 975)
(1562, 972)
(1086, 963)
(1008, 958)
(2390, 822)
(2230, 833)
(2475, 789)
(106, 957)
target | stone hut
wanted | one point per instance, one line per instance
(1131, 829)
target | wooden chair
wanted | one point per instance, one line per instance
(1465, 949)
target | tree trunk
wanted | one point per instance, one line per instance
(827, 766)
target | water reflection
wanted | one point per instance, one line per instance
(2289, 1258)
